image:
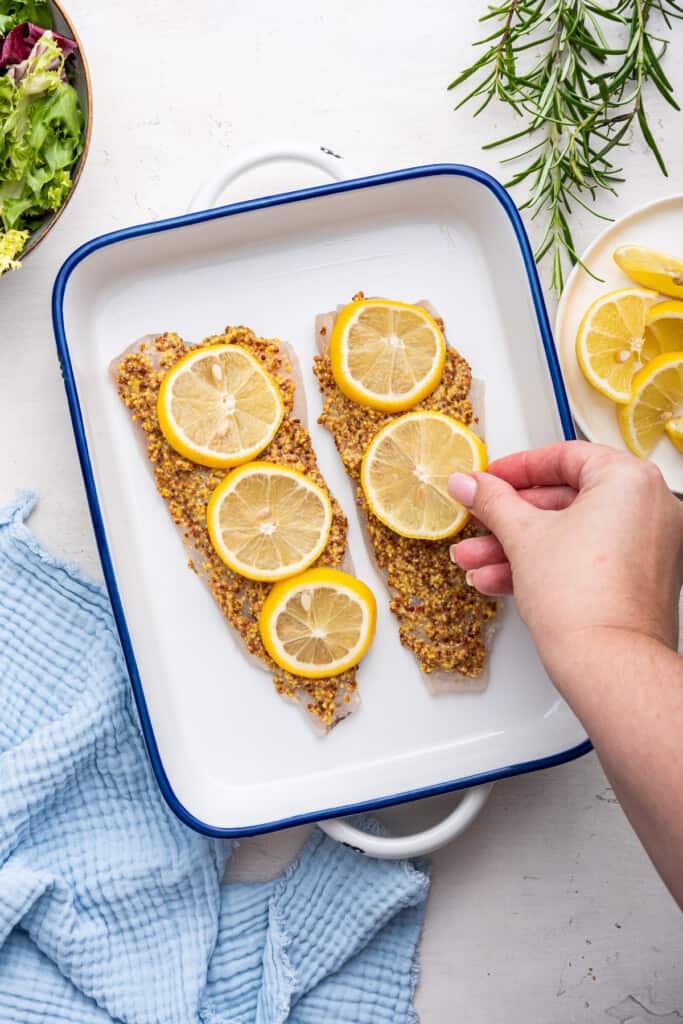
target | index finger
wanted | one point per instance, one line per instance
(555, 465)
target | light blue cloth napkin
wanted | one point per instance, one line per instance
(110, 908)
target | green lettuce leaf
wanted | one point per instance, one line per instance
(41, 138)
(14, 12)
(11, 244)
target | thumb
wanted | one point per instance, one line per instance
(494, 502)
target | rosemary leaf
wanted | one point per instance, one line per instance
(576, 73)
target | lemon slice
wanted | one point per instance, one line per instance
(674, 431)
(268, 521)
(651, 268)
(386, 355)
(318, 624)
(663, 329)
(218, 406)
(657, 400)
(610, 340)
(405, 473)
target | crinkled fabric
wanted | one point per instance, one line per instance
(110, 908)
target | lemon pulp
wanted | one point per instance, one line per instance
(405, 473)
(656, 401)
(319, 623)
(217, 406)
(651, 268)
(611, 338)
(268, 521)
(386, 355)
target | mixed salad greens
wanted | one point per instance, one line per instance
(41, 123)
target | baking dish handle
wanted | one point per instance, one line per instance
(420, 843)
(256, 156)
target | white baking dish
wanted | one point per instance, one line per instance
(231, 757)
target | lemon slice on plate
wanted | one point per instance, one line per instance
(663, 329)
(651, 268)
(405, 473)
(318, 624)
(674, 431)
(386, 355)
(268, 521)
(217, 406)
(656, 401)
(610, 340)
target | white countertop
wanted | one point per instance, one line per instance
(547, 909)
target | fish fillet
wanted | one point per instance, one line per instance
(447, 624)
(187, 486)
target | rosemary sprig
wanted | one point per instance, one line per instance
(575, 72)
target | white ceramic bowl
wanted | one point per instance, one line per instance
(659, 225)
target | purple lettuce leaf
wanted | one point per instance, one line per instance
(21, 40)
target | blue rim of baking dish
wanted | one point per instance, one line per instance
(138, 230)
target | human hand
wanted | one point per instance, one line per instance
(586, 537)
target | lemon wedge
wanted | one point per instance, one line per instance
(674, 431)
(663, 329)
(386, 355)
(405, 473)
(656, 401)
(268, 521)
(651, 268)
(217, 406)
(610, 340)
(318, 624)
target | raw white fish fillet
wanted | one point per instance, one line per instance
(302, 698)
(440, 680)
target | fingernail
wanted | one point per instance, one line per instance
(451, 554)
(469, 578)
(462, 488)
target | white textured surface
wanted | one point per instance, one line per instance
(547, 910)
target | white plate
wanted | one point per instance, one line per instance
(659, 225)
(230, 755)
